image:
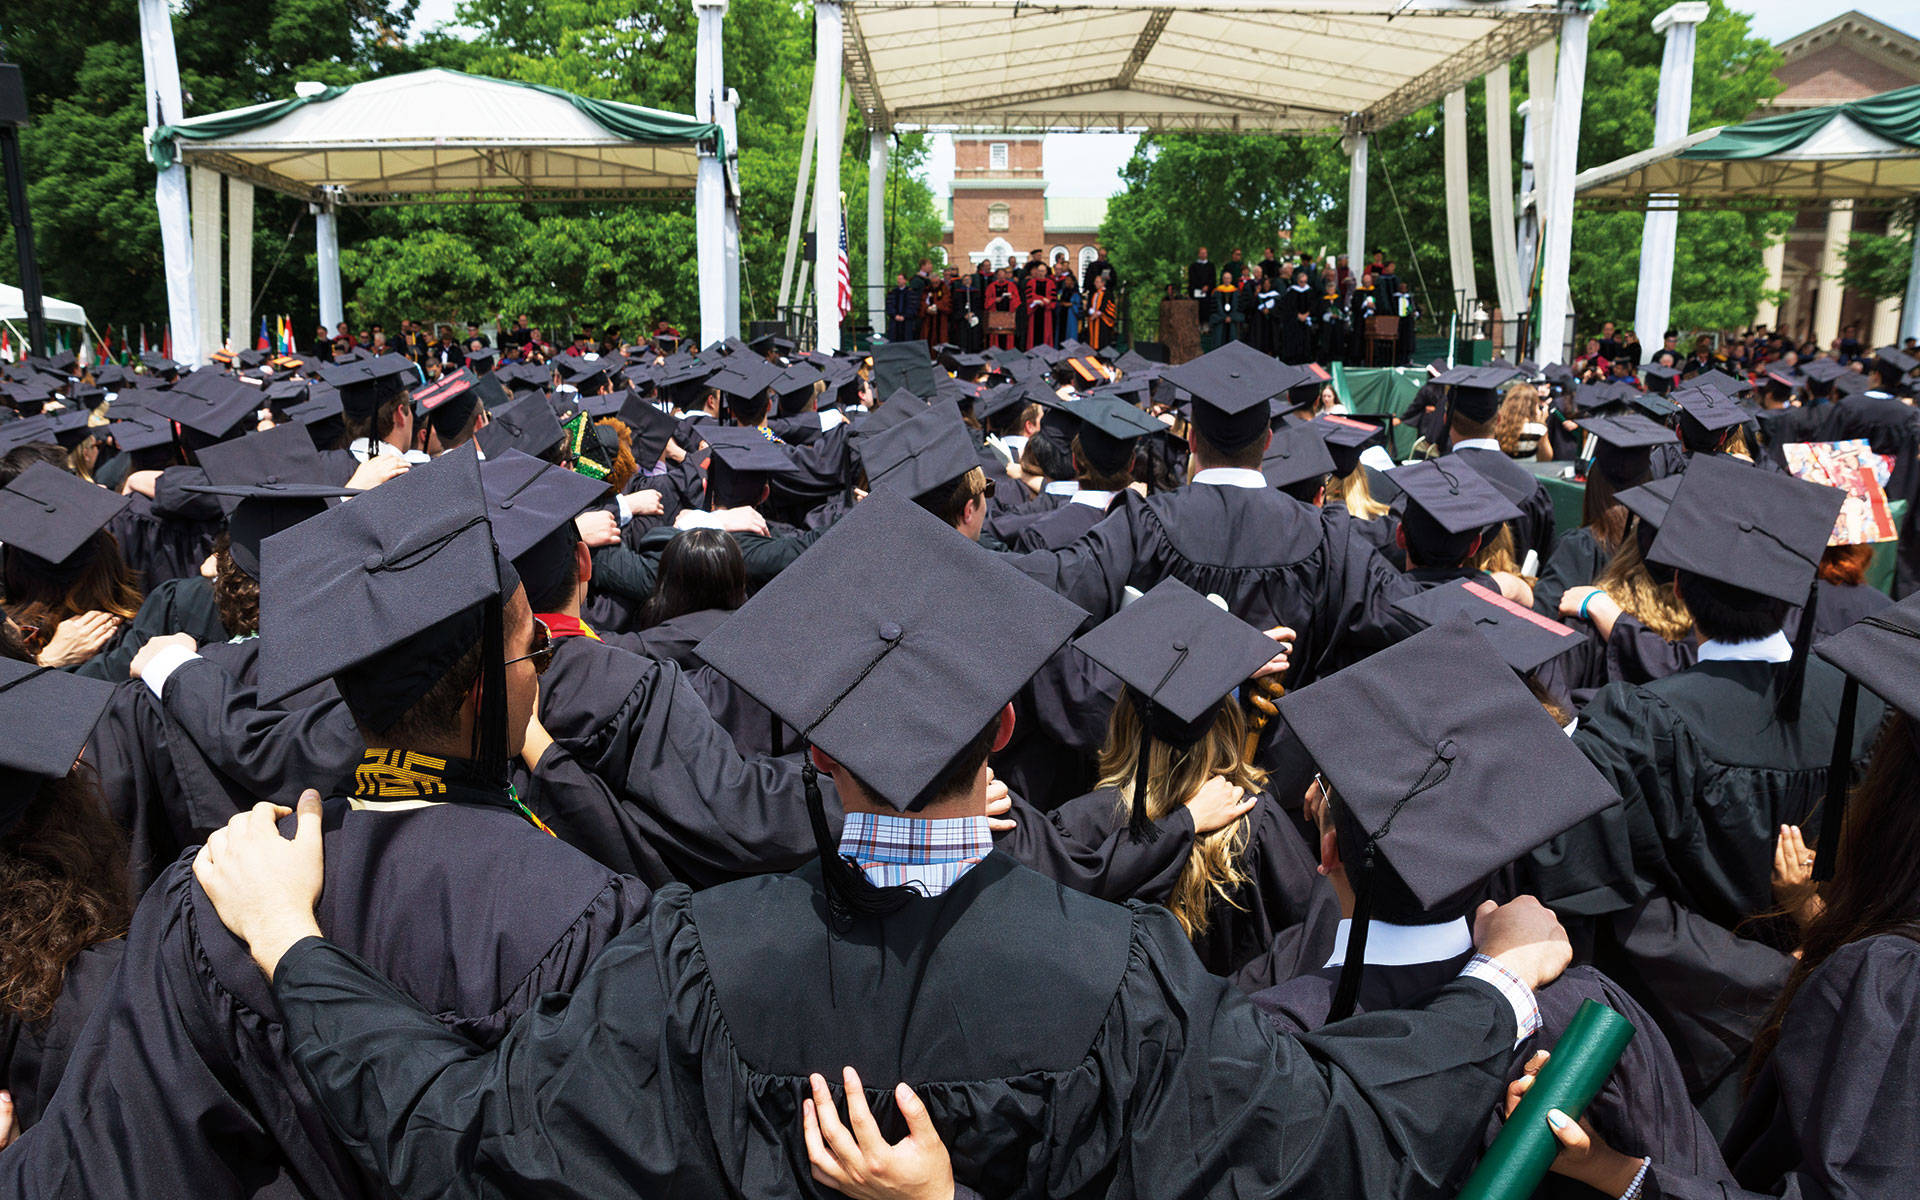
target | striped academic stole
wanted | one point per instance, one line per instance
(396, 780)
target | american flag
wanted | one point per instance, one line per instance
(844, 296)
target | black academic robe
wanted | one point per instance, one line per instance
(1577, 560)
(1119, 1053)
(1642, 1109)
(673, 640)
(161, 548)
(1533, 528)
(1275, 560)
(1201, 277)
(1672, 880)
(472, 911)
(1057, 529)
(1298, 309)
(1281, 878)
(33, 1054)
(1831, 1112)
(183, 605)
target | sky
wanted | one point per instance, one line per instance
(1088, 164)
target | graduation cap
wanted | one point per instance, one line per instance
(1706, 415)
(1457, 498)
(585, 374)
(531, 504)
(1605, 394)
(1821, 372)
(448, 403)
(925, 454)
(793, 387)
(135, 428)
(283, 454)
(1109, 428)
(1720, 381)
(386, 594)
(67, 429)
(896, 686)
(1180, 657)
(1760, 531)
(527, 425)
(1626, 441)
(48, 714)
(1660, 377)
(257, 511)
(745, 380)
(1297, 455)
(1231, 387)
(1524, 638)
(739, 466)
(1445, 789)
(1475, 392)
(1780, 379)
(210, 404)
(1345, 438)
(364, 385)
(158, 363)
(1882, 653)
(901, 406)
(1893, 363)
(1650, 501)
(649, 428)
(51, 515)
(903, 365)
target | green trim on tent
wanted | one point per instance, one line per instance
(643, 126)
(1894, 116)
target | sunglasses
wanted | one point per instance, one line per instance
(543, 648)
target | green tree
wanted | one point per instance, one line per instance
(1877, 264)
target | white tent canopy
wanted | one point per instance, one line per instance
(444, 135)
(1842, 161)
(13, 307)
(1325, 65)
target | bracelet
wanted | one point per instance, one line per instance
(1588, 599)
(1639, 1181)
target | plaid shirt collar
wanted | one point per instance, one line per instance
(928, 855)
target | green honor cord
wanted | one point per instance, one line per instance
(1581, 1061)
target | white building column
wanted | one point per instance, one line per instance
(1672, 112)
(1556, 226)
(1459, 215)
(170, 185)
(326, 244)
(240, 263)
(1910, 307)
(1773, 259)
(1833, 259)
(1507, 284)
(710, 179)
(877, 230)
(828, 33)
(1356, 148)
(204, 184)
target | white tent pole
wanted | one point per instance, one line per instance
(1506, 253)
(1459, 215)
(1356, 147)
(326, 239)
(877, 230)
(1910, 307)
(170, 185)
(829, 32)
(204, 185)
(1672, 110)
(710, 188)
(1556, 228)
(240, 262)
(1537, 113)
(800, 210)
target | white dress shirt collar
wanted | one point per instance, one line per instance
(1390, 945)
(1775, 648)
(1231, 477)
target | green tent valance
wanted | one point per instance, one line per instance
(225, 124)
(1894, 116)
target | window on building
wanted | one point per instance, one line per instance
(999, 252)
(1087, 255)
(999, 217)
(1058, 254)
(997, 156)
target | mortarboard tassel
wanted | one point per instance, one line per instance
(1839, 784)
(490, 726)
(1787, 704)
(1348, 992)
(1140, 826)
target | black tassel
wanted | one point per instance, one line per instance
(1787, 704)
(490, 722)
(1347, 994)
(1839, 784)
(1140, 826)
(850, 893)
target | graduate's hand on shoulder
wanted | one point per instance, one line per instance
(1277, 665)
(598, 528)
(1584, 1155)
(999, 804)
(643, 503)
(1525, 937)
(1793, 884)
(140, 483)
(1218, 803)
(377, 470)
(264, 885)
(8, 1130)
(78, 638)
(856, 1159)
(137, 669)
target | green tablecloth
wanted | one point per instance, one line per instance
(1569, 500)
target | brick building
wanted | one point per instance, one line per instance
(999, 209)
(1849, 57)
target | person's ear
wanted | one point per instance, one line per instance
(582, 563)
(822, 761)
(1329, 851)
(1004, 733)
(1475, 548)
(1400, 536)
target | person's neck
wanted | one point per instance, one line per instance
(447, 747)
(970, 802)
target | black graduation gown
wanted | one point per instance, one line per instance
(673, 640)
(1123, 1069)
(1057, 529)
(1275, 560)
(1577, 560)
(1642, 1109)
(1298, 307)
(1060, 722)
(184, 605)
(1840, 606)
(1674, 876)
(1533, 528)
(1281, 878)
(161, 548)
(1831, 1112)
(471, 910)
(33, 1054)
(1112, 866)
(1636, 654)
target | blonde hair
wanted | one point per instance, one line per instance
(1497, 553)
(1357, 494)
(1627, 583)
(1213, 868)
(1516, 409)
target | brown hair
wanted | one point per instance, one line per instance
(1247, 457)
(1602, 515)
(94, 578)
(236, 594)
(1092, 477)
(1877, 888)
(624, 467)
(950, 504)
(1846, 566)
(1515, 411)
(1627, 583)
(1213, 868)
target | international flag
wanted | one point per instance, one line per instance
(143, 337)
(6, 346)
(166, 342)
(264, 342)
(843, 295)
